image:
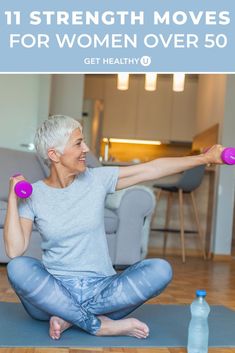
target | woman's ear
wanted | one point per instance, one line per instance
(54, 155)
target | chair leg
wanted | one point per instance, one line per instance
(198, 225)
(169, 201)
(181, 211)
(157, 193)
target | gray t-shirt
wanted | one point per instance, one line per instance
(71, 222)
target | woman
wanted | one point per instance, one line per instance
(75, 283)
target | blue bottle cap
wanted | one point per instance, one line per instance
(201, 293)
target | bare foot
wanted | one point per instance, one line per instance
(123, 327)
(57, 326)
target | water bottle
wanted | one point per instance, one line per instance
(198, 331)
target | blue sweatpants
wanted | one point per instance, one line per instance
(80, 299)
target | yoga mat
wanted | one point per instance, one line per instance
(168, 328)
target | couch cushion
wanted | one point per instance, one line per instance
(110, 221)
(12, 162)
(3, 208)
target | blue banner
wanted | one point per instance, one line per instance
(117, 36)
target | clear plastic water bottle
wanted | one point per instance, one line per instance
(198, 331)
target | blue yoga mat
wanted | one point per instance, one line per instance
(168, 328)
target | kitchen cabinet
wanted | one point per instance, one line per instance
(120, 109)
(153, 118)
(138, 114)
(94, 86)
(184, 105)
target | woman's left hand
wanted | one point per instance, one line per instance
(213, 154)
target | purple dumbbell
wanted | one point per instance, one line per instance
(228, 155)
(23, 188)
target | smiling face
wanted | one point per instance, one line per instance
(74, 155)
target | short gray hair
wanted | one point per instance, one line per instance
(54, 133)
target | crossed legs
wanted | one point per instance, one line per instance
(46, 298)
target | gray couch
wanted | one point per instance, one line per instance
(127, 212)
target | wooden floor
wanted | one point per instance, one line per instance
(216, 277)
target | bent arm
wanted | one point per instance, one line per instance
(162, 167)
(17, 231)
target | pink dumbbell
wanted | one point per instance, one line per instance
(228, 155)
(23, 188)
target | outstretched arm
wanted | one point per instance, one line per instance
(161, 167)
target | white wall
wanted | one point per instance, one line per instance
(19, 108)
(44, 97)
(27, 100)
(67, 95)
(223, 220)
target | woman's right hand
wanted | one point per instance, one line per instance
(13, 181)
